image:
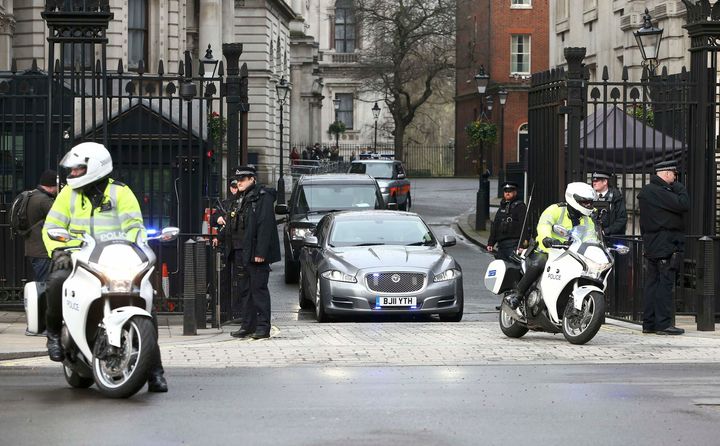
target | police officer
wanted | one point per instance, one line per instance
(255, 245)
(507, 226)
(612, 212)
(94, 203)
(229, 276)
(663, 203)
(575, 211)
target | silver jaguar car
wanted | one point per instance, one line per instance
(378, 262)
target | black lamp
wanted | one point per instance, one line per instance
(282, 88)
(376, 115)
(648, 39)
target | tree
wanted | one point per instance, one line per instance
(409, 49)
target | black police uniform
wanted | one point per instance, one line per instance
(506, 229)
(254, 234)
(662, 207)
(229, 285)
(612, 210)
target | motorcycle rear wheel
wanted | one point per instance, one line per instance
(510, 327)
(124, 374)
(75, 380)
(579, 328)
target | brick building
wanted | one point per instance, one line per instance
(509, 38)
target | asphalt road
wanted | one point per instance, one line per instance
(487, 405)
(318, 403)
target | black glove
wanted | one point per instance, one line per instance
(60, 260)
(549, 242)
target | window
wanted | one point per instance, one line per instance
(344, 27)
(345, 112)
(561, 11)
(78, 55)
(520, 4)
(137, 32)
(520, 54)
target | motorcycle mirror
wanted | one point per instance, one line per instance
(59, 235)
(620, 249)
(561, 231)
(167, 234)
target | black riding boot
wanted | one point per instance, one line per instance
(156, 381)
(55, 350)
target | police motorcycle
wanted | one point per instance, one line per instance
(108, 333)
(569, 296)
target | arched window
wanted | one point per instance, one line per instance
(523, 142)
(344, 26)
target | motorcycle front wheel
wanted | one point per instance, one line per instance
(581, 326)
(509, 326)
(124, 372)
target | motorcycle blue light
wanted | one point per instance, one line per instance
(151, 231)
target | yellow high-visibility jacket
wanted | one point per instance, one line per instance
(557, 214)
(118, 216)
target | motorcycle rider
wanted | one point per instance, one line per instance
(95, 203)
(576, 210)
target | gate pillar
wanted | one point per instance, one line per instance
(575, 90)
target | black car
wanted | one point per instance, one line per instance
(314, 196)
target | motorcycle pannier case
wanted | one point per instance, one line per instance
(34, 297)
(501, 276)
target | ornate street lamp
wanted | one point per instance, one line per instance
(376, 115)
(482, 80)
(502, 98)
(648, 39)
(282, 88)
(482, 199)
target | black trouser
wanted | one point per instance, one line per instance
(534, 266)
(254, 295)
(505, 248)
(54, 318)
(657, 295)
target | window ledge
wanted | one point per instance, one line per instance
(590, 15)
(521, 7)
(562, 25)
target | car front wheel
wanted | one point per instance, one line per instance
(320, 314)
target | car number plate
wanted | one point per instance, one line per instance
(395, 301)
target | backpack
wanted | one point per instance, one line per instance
(19, 223)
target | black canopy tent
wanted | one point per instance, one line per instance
(615, 141)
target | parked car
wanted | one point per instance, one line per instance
(390, 175)
(379, 262)
(312, 197)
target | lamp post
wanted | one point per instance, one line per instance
(502, 97)
(282, 89)
(648, 38)
(482, 199)
(376, 115)
(336, 104)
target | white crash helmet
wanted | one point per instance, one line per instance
(94, 157)
(580, 196)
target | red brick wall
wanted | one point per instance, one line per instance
(483, 38)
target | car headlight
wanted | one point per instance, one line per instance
(338, 276)
(383, 190)
(300, 233)
(447, 275)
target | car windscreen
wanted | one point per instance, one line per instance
(409, 231)
(319, 197)
(375, 170)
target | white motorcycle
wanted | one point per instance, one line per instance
(569, 296)
(108, 334)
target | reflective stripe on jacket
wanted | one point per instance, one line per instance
(556, 214)
(119, 213)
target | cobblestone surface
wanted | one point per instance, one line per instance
(413, 344)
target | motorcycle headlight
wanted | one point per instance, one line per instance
(338, 276)
(447, 275)
(300, 233)
(118, 280)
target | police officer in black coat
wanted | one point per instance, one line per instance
(230, 301)
(663, 204)
(255, 245)
(506, 229)
(610, 203)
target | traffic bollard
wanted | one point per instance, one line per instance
(189, 319)
(706, 298)
(201, 282)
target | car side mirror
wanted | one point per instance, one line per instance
(311, 242)
(281, 209)
(448, 240)
(392, 206)
(401, 176)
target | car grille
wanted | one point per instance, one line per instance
(395, 282)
